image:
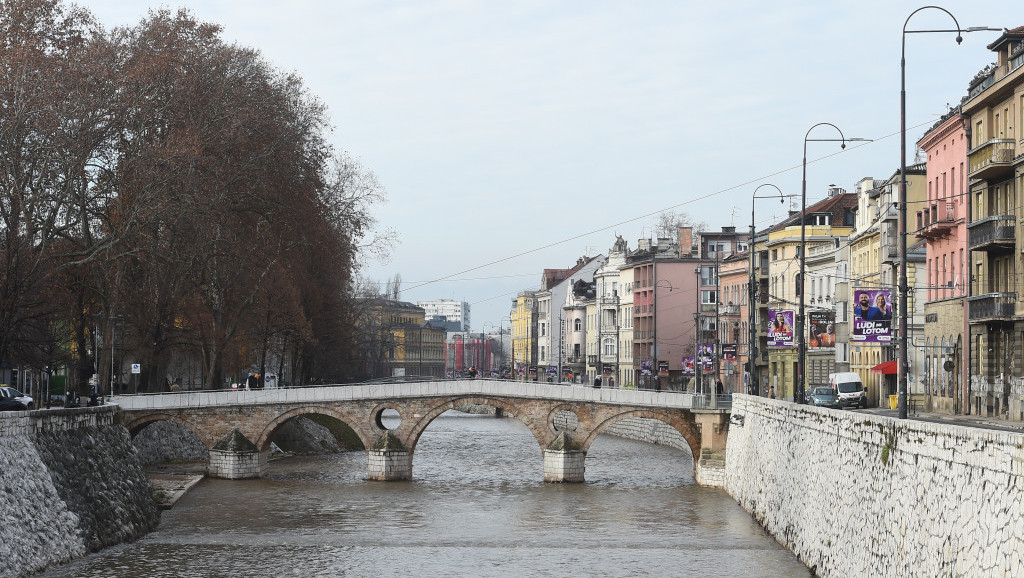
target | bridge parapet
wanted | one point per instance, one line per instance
(440, 388)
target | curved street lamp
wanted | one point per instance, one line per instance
(902, 307)
(752, 292)
(798, 395)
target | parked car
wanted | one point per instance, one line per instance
(11, 404)
(10, 392)
(824, 397)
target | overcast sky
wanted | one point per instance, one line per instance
(515, 136)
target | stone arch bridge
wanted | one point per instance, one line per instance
(238, 426)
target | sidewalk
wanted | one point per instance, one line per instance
(962, 420)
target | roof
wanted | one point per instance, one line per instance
(552, 277)
(837, 205)
(1008, 35)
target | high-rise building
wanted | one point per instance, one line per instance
(452, 315)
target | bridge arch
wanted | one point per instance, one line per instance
(686, 427)
(134, 426)
(509, 407)
(266, 434)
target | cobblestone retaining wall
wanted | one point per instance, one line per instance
(71, 485)
(855, 494)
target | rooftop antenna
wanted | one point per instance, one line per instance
(732, 219)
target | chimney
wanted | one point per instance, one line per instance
(685, 241)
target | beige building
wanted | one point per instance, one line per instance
(995, 107)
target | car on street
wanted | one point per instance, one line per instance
(851, 390)
(11, 404)
(824, 397)
(11, 393)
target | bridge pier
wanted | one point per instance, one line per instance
(564, 466)
(564, 460)
(234, 457)
(388, 460)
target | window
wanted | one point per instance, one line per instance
(708, 297)
(609, 346)
(708, 275)
(577, 325)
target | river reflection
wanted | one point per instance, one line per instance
(477, 506)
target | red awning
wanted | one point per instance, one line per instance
(885, 368)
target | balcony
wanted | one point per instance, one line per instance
(937, 220)
(730, 309)
(991, 306)
(992, 234)
(991, 160)
(890, 251)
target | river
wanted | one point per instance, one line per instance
(477, 506)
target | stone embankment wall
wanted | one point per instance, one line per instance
(71, 485)
(856, 494)
(651, 431)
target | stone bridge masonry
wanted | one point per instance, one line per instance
(238, 426)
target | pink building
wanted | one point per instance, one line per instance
(942, 223)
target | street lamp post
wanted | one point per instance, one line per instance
(752, 292)
(800, 322)
(902, 307)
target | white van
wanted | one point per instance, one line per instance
(850, 389)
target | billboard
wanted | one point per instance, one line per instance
(872, 316)
(689, 366)
(823, 330)
(706, 356)
(729, 351)
(780, 328)
(645, 367)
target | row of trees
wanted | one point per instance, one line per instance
(158, 178)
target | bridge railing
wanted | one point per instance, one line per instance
(407, 389)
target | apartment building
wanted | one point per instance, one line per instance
(995, 109)
(942, 223)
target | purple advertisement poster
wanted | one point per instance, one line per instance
(706, 356)
(872, 316)
(688, 366)
(780, 328)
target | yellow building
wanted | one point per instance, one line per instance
(400, 342)
(823, 223)
(523, 316)
(874, 266)
(995, 170)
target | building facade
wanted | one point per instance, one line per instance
(523, 321)
(942, 224)
(995, 175)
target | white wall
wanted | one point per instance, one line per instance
(856, 494)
